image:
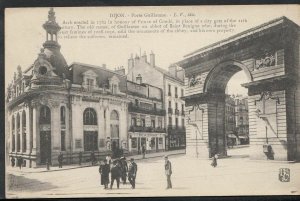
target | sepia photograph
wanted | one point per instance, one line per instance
(152, 101)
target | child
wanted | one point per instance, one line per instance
(214, 160)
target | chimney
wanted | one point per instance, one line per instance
(139, 79)
(120, 70)
(152, 59)
(144, 57)
(136, 59)
(173, 70)
(130, 62)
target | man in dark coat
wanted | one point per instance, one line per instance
(80, 157)
(132, 172)
(60, 159)
(93, 158)
(104, 170)
(168, 172)
(115, 174)
(143, 150)
(124, 169)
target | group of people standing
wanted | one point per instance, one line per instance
(118, 170)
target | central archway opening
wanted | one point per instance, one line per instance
(228, 125)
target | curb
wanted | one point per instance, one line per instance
(84, 166)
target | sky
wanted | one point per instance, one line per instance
(24, 35)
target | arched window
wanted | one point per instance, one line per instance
(114, 129)
(90, 132)
(13, 148)
(62, 115)
(45, 115)
(18, 133)
(89, 117)
(24, 131)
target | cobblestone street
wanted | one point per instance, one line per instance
(236, 175)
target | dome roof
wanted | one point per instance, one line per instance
(57, 60)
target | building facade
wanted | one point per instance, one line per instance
(171, 82)
(230, 125)
(146, 117)
(242, 119)
(54, 107)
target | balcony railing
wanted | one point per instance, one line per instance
(146, 129)
(134, 108)
(176, 112)
(170, 111)
(173, 129)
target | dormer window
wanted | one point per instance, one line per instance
(89, 80)
(114, 84)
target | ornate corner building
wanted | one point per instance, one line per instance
(54, 107)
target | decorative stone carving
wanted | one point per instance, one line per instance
(195, 80)
(266, 60)
(266, 95)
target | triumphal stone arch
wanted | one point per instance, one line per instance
(269, 56)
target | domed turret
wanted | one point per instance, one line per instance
(52, 48)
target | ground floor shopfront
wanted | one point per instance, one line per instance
(154, 142)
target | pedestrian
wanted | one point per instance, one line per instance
(20, 162)
(214, 160)
(48, 163)
(104, 170)
(124, 169)
(93, 158)
(115, 174)
(132, 170)
(168, 172)
(108, 159)
(13, 162)
(143, 150)
(80, 158)
(60, 159)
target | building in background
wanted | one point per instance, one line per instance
(172, 84)
(242, 119)
(53, 107)
(230, 125)
(146, 117)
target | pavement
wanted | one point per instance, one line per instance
(236, 175)
(84, 165)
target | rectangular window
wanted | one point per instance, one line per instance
(170, 106)
(90, 84)
(133, 142)
(176, 122)
(182, 107)
(170, 120)
(182, 122)
(159, 123)
(143, 123)
(176, 106)
(154, 106)
(160, 140)
(182, 93)
(169, 90)
(102, 143)
(63, 141)
(176, 94)
(153, 123)
(133, 121)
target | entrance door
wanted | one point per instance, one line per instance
(45, 146)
